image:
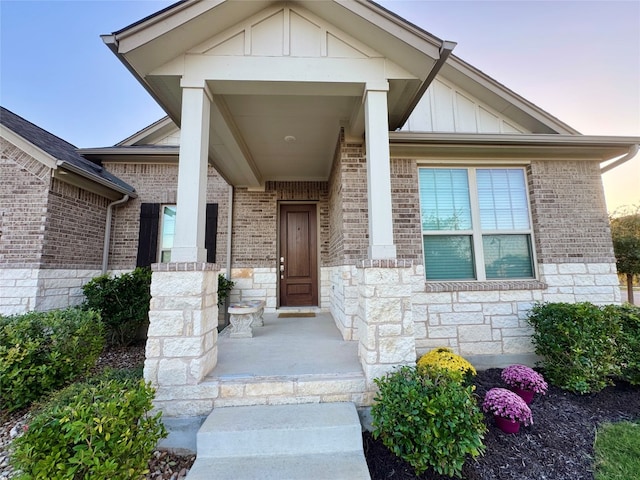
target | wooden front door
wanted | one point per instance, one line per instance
(298, 262)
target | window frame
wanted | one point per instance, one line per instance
(476, 232)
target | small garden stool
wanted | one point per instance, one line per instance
(245, 315)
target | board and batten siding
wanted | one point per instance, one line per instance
(446, 108)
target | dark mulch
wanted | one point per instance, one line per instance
(558, 446)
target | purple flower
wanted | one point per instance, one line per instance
(524, 378)
(506, 404)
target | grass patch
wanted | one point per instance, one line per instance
(617, 450)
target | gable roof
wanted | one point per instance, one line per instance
(65, 154)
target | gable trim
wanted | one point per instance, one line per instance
(28, 147)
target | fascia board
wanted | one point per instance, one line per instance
(146, 133)
(548, 147)
(28, 147)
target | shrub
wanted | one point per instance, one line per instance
(41, 352)
(99, 429)
(577, 344)
(629, 342)
(224, 288)
(444, 358)
(123, 302)
(428, 419)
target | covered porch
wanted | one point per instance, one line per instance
(290, 360)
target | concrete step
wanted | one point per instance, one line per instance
(305, 441)
(335, 466)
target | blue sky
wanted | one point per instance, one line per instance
(579, 60)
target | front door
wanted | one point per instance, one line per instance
(298, 256)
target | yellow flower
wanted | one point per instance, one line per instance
(444, 358)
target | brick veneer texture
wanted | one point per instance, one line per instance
(47, 223)
(569, 212)
(255, 217)
(75, 225)
(349, 212)
(23, 200)
(157, 183)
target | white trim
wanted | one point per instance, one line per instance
(28, 147)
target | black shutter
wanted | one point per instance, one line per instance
(148, 235)
(211, 232)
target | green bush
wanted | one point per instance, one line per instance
(123, 302)
(428, 419)
(224, 288)
(629, 342)
(577, 343)
(95, 430)
(43, 351)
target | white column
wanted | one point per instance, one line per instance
(381, 244)
(188, 243)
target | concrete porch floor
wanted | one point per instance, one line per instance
(287, 347)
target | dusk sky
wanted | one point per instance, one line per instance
(578, 60)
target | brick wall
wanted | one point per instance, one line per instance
(407, 230)
(349, 212)
(157, 183)
(75, 225)
(255, 220)
(569, 212)
(23, 200)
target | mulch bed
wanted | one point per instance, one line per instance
(558, 446)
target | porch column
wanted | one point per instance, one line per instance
(381, 244)
(188, 244)
(386, 337)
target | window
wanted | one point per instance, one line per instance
(167, 229)
(157, 230)
(475, 224)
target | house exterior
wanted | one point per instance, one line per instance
(331, 155)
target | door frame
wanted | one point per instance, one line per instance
(280, 203)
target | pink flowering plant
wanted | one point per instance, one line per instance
(524, 378)
(506, 404)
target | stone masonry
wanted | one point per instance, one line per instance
(385, 318)
(182, 338)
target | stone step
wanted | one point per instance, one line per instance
(246, 390)
(304, 441)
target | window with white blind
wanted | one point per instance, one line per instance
(168, 230)
(475, 224)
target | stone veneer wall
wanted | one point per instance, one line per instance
(182, 338)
